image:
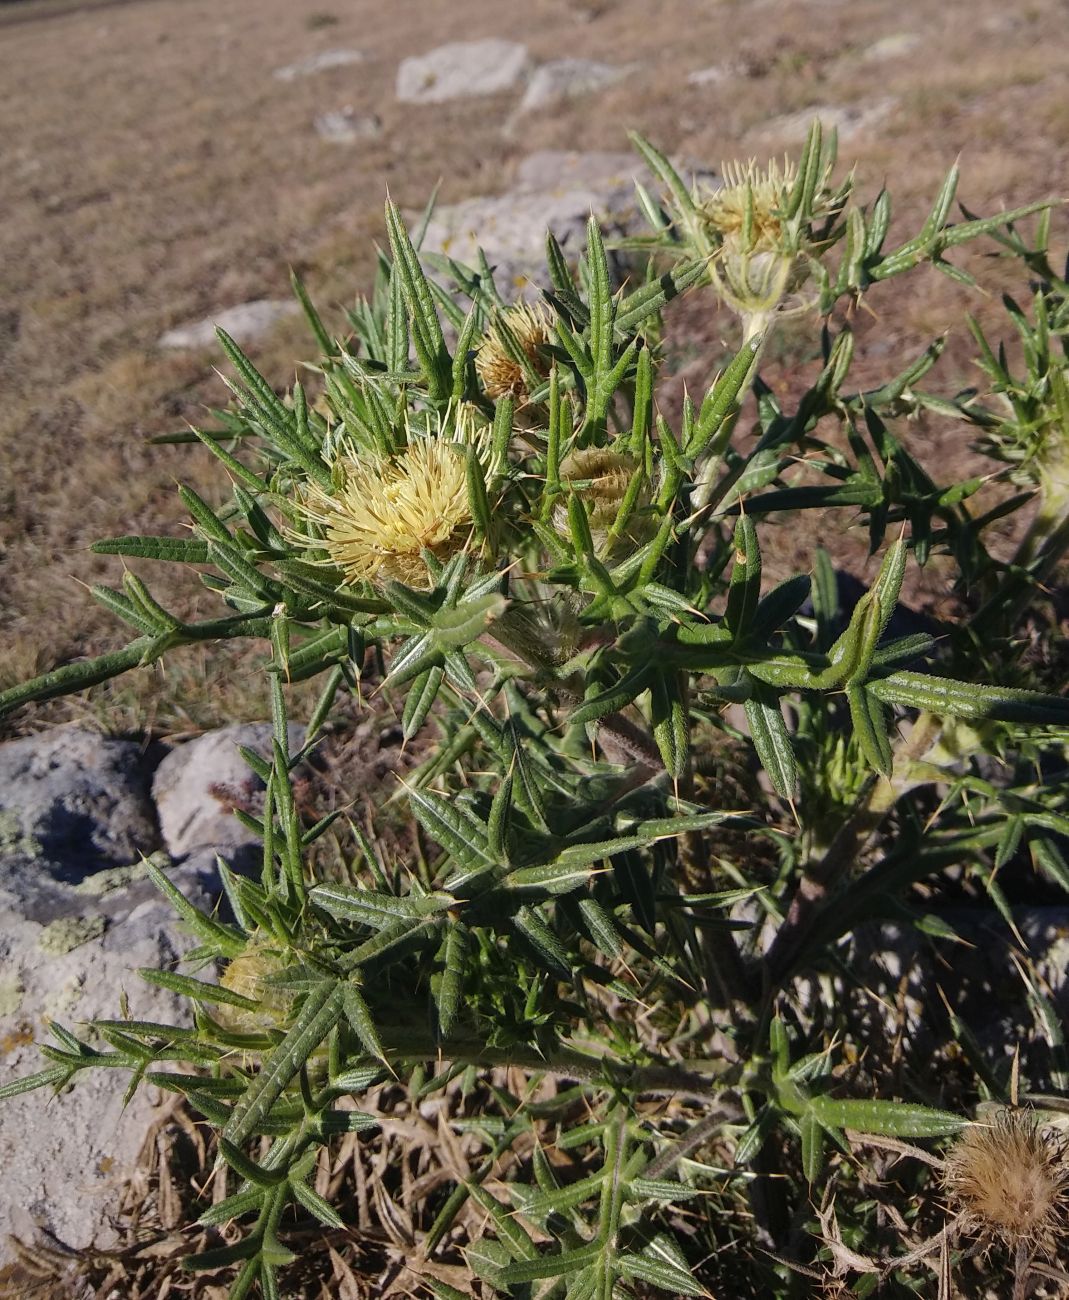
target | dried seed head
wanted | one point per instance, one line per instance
(543, 631)
(388, 510)
(495, 363)
(1010, 1179)
(759, 258)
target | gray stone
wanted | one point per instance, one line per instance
(200, 783)
(563, 79)
(461, 70)
(72, 804)
(65, 1158)
(320, 62)
(849, 120)
(79, 916)
(245, 323)
(552, 190)
(346, 126)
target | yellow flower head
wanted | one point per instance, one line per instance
(390, 509)
(495, 365)
(750, 202)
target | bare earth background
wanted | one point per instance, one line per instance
(154, 171)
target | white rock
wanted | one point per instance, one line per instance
(563, 79)
(245, 323)
(200, 783)
(553, 190)
(320, 62)
(891, 47)
(461, 70)
(69, 954)
(65, 1158)
(346, 126)
(78, 917)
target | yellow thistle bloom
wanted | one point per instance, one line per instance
(388, 510)
(498, 369)
(750, 197)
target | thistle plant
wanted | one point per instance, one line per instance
(564, 592)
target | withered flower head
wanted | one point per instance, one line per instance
(600, 478)
(1010, 1179)
(390, 509)
(758, 258)
(495, 363)
(753, 282)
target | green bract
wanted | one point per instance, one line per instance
(659, 791)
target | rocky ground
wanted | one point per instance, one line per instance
(80, 814)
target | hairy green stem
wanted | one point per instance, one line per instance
(690, 1081)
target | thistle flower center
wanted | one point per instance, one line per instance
(388, 511)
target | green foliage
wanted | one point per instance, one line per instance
(573, 613)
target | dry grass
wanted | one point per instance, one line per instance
(387, 1185)
(159, 173)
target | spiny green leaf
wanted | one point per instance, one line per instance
(53, 1076)
(358, 1014)
(249, 1169)
(230, 942)
(531, 924)
(454, 831)
(320, 1012)
(316, 1205)
(426, 329)
(374, 909)
(888, 1118)
(195, 989)
(661, 1264)
(534, 1270)
(463, 623)
(771, 739)
(179, 550)
(670, 721)
(975, 703)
